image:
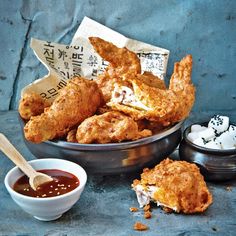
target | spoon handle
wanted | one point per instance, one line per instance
(10, 151)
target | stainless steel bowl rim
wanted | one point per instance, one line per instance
(207, 150)
(115, 146)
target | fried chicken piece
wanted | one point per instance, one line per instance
(162, 106)
(107, 83)
(181, 84)
(144, 96)
(123, 63)
(144, 102)
(151, 80)
(176, 185)
(103, 109)
(32, 104)
(71, 136)
(75, 102)
(109, 127)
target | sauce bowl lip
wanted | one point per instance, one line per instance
(220, 152)
(109, 146)
(82, 180)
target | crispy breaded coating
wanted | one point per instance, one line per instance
(71, 136)
(32, 104)
(103, 109)
(144, 96)
(122, 61)
(75, 102)
(178, 185)
(151, 80)
(108, 128)
(107, 84)
(181, 84)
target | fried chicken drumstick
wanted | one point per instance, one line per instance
(75, 102)
(32, 104)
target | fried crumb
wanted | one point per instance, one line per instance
(147, 214)
(133, 209)
(229, 188)
(147, 207)
(140, 226)
(167, 209)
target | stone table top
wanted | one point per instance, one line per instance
(103, 208)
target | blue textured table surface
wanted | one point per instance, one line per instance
(204, 28)
(104, 205)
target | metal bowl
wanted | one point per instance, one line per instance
(112, 158)
(215, 165)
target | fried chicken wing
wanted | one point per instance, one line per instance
(142, 101)
(181, 84)
(32, 104)
(144, 96)
(109, 127)
(151, 80)
(123, 63)
(77, 101)
(176, 185)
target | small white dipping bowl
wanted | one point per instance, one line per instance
(51, 208)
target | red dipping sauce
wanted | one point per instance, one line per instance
(63, 182)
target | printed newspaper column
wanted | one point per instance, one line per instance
(79, 58)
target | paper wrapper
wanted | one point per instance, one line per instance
(79, 58)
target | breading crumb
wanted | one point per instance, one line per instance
(147, 207)
(147, 214)
(133, 209)
(167, 209)
(140, 226)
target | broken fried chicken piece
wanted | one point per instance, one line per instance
(176, 185)
(108, 128)
(144, 96)
(32, 104)
(123, 63)
(75, 102)
(164, 106)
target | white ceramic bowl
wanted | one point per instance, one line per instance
(51, 208)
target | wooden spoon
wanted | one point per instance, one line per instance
(35, 178)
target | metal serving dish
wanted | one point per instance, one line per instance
(215, 165)
(112, 158)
